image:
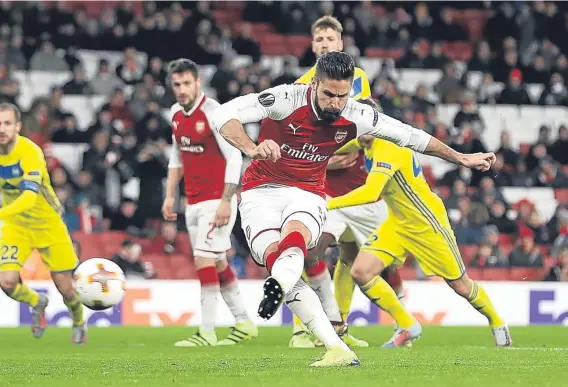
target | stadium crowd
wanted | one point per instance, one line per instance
(522, 43)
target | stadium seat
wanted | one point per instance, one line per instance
(467, 253)
(561, 196)
(475, 274)
(496, 274)
(525, 274)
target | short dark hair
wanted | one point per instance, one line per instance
(182, 65)
(335, 65)
(12, 107)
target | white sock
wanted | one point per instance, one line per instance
(305, 304)
(232, 296)
(322, 285)
(210, 294)
(288, 268)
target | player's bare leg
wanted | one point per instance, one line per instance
(366, 272)
(285, 262)
(64, 283)
(210, 295)
(477, 297)
(244, 328)
(12, 285)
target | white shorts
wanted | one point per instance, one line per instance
(207, 240)
(265, 210)
(356, 223)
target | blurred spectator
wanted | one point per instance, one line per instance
(469, 113)
(488, 90)
(499, 218)
(130, 71)
(459, 190)
(245, 45)
(104, 82)
(68, 132)
(522, 177)
(45, 59)
(78, 85)
(510, 157)
(559, 149)
(481, 59)
(126, 218)
(462, 173)
(15, 58)
(469, 221)
(166, 242)
(559, 272)
(288, 76)
(451, 86)
(9, 87)
(94, 158)
(437, 59)
(549, 174)
(501, 176)
(527, 253)
(539, 229)
(488, 253)
(537, 73)
(447, 29)
(515, 92)
(555, 92)
(128, 259)
(558, 226)
(421, 25)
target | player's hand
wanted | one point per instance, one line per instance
(266, 150)
(480, 161)
(168, 209)
(223, 214)
(343, 161)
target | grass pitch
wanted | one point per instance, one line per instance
(444, 356)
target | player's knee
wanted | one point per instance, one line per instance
(360, 273)
(293, 225)
(462, 286)
(8, 285)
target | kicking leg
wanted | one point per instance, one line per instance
(244, 328)
(477, 297)
(12, 285)
(64, 283)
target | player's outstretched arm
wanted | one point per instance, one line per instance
(370, 121)
(367, 193)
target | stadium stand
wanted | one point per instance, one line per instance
(93, 85)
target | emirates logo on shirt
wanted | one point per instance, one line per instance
(340, 136)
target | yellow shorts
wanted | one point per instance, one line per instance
(52, 242)
(437, 253)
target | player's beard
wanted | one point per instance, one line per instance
(8, 146)
(329, 116)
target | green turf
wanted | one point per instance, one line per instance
(146, 357)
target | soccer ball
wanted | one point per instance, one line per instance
(100, 283)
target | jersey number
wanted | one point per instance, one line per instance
(372, 239)
(9, 253)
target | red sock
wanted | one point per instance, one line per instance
(208, 276)
(319, 268)
(227, 276)
(294, 239)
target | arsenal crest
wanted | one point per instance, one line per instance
(200, 126)
(340, 136)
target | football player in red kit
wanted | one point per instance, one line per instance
(283, 205)
(211, 169)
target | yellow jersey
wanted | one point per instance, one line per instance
(360, 89)
(24, 171)
(396, 175)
